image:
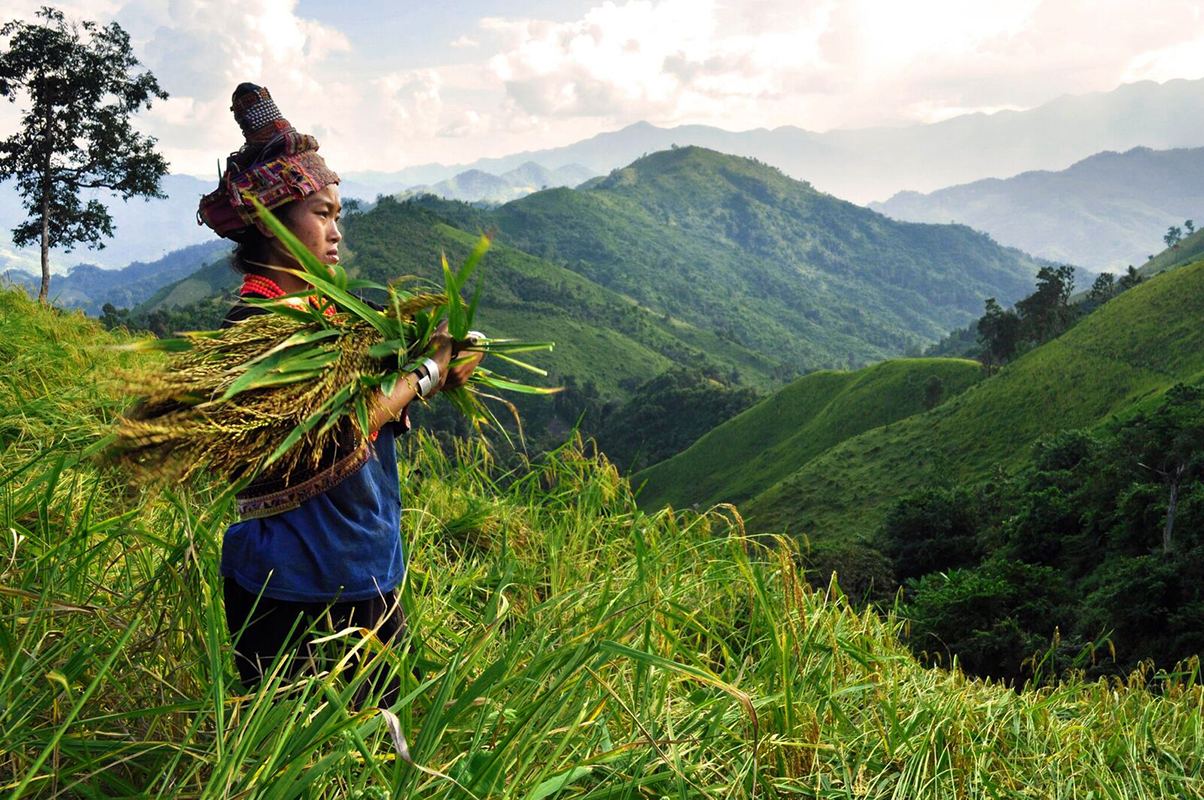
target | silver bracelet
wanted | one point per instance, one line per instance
(428, 383)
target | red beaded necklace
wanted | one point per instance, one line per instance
(258, 284)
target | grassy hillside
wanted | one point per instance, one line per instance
(569, 646)
(212, 279)
(771, 440)
(1187, 251)
(734, 246)
(1126, 353)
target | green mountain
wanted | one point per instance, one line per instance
(1120, 358)
(738, 459)
(213, 279)
(1104, 212)
(734, 246)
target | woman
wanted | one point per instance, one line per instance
(322, 546)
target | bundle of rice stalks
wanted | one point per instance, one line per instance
(280, 389)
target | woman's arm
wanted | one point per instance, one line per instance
(391, 405)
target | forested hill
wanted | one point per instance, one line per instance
(1104, 212)
(735, 246)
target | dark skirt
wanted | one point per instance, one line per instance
(261, 628)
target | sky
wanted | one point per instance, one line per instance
(385, 85)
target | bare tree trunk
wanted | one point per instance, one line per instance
(45, 246)
(46, 215)
(1170, 507)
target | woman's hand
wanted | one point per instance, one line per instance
(442, 351)
(459, 374)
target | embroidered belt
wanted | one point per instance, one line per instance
(290, 497)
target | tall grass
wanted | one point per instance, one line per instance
(564, 644)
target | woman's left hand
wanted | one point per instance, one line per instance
(459, 374)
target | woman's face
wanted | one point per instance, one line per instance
(314, 220)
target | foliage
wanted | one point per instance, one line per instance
(932, 530)
(989, 619)
(568, 646)
(1085, 531)
(76, 132)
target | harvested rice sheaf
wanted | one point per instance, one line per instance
(277, 389)
(185, 421)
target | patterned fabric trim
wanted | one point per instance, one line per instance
(266, 505)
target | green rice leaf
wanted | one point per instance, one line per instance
(474, 258)
(350, 303)
(307, 314)
(386, 349)
(522, 364)
(361, 413)
(494, 382)
(456, 326)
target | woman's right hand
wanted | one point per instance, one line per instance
(441, 350)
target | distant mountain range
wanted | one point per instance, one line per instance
(1104, 212)
(477, 186)
(89, 287)
(146, 230)
(869, 164)
(859, 165)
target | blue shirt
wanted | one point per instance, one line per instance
(343, 544)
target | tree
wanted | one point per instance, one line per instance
(1173, 234)
(1046, 312)
(75, 134)
(1103, 288)
(934, 389)
(1169, 443)
(931, 530)
(1191, 227)
(999, 333)
(1130, 279)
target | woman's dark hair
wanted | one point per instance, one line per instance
(251, 246)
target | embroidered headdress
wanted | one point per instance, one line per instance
(275, 165)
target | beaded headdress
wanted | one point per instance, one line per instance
(275, 165)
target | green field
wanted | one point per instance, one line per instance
(571, 646)
(773, 439)
(1114, 360)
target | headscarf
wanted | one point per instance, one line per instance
(276, 165)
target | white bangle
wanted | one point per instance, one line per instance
(430, 381)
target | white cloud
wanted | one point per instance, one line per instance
(831, 63)
(522, 83)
